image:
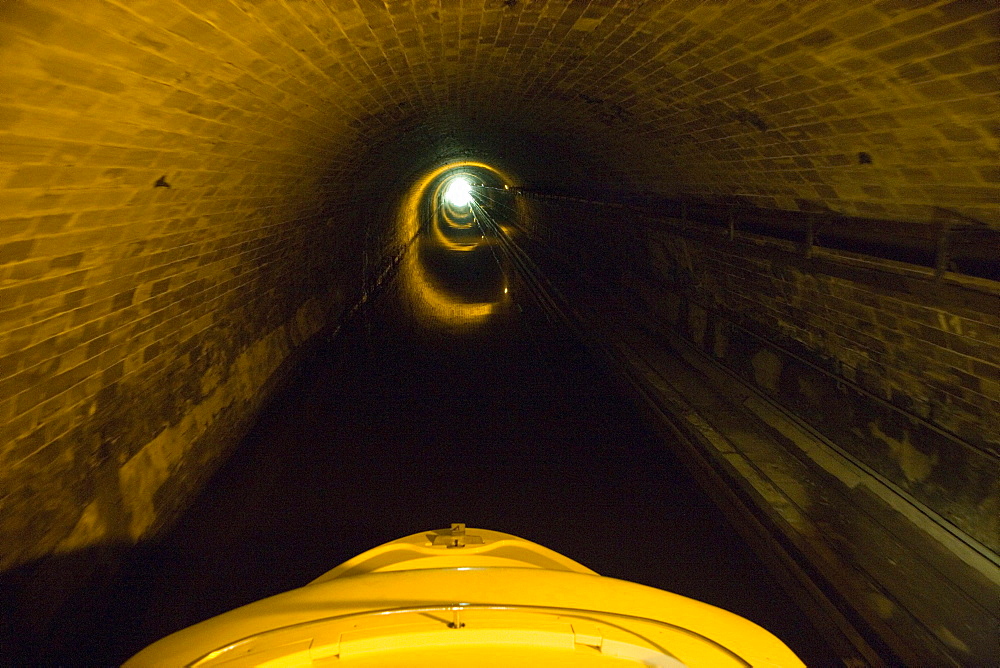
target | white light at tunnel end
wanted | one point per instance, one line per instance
(459, 192)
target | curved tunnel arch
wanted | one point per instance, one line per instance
(424, 208)
(192, 189)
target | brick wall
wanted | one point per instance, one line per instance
(883, 109)
(171, 231)
(177, 178)
(899, 369)
(932, 351)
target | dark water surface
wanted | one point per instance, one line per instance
(407, 423)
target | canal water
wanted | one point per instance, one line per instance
(449, 398)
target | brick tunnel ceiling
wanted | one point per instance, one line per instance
(882, 109)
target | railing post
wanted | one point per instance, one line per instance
(943, 250)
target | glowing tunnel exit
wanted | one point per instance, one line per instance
(459, 192)
(453, 271)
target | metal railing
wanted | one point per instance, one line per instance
(955, 243)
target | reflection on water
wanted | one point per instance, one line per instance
(455, 272)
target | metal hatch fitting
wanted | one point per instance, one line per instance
(457, 537)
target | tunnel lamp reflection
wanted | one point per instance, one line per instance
(459, 193)
(429, 297)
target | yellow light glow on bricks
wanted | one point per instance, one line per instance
(436, 302)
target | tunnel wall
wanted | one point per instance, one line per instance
(899, 370)
(180, 201)
(139, 377)
(171, 233)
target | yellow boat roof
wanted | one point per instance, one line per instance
(473, 597)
